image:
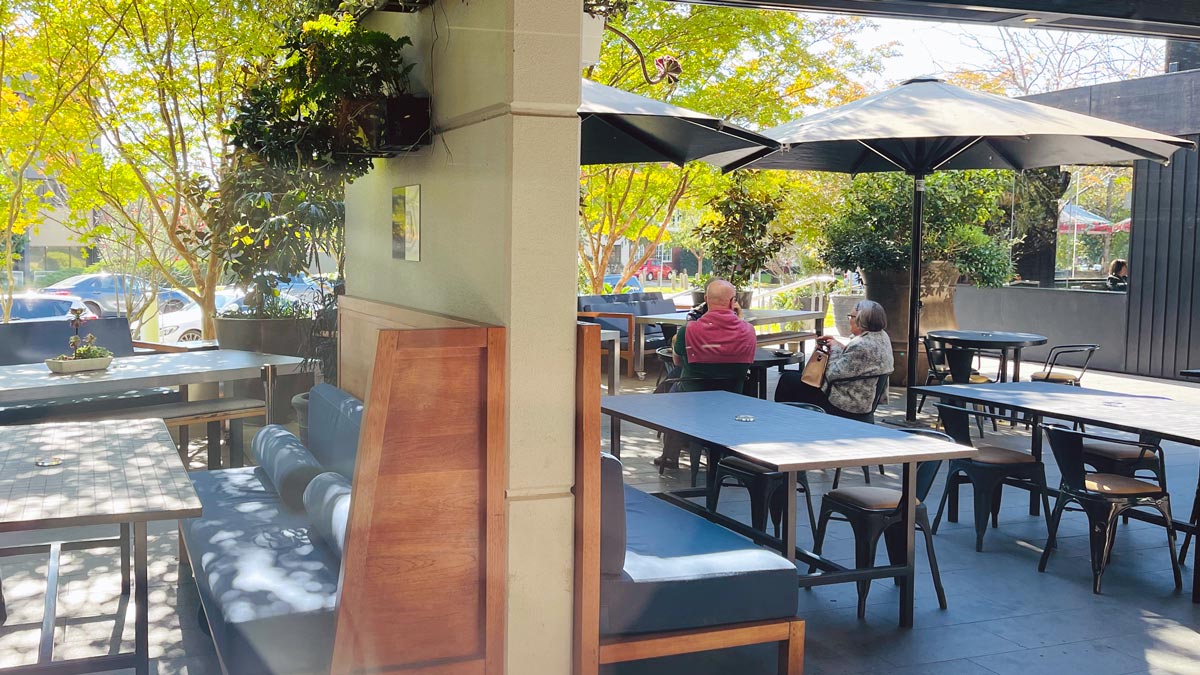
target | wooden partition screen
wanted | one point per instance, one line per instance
(587, 500)
(423, 573)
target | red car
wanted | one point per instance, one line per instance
(652, 269)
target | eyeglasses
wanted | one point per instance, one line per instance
(851, 316)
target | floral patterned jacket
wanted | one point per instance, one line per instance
(867, 354)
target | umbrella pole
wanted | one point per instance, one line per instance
(914, 293)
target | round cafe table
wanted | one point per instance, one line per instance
(1000, 341)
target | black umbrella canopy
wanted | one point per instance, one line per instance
(926, 125)
(623, 128)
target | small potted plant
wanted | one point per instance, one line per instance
(85, 354)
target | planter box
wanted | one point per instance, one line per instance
(288, 337)
(78, 365)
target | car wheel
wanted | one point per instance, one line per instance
(94, 308)
(190, 336)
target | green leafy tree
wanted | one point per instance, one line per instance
(158, 106)
(872, 226)
(754, 68)
(738, 236)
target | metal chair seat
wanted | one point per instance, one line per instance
(1057, 378)
(975, 379)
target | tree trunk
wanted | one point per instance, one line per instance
(208, 311)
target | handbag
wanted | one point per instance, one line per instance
(814, 370)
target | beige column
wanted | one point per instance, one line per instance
(499, 189)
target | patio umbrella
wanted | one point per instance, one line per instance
(926, 125)
(618, 127)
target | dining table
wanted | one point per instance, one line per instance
(100, 474)
(34, 381)
(1152, 418)
(1003, 342)
(790, 440)
(754, 317)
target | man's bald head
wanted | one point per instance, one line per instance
(720, 294)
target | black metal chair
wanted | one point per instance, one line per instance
(872, 512)
(1047, 373)
(987, 472)
(881, 390)
(958, 360)
(764, 486)
(1103, 497)
(734, 385)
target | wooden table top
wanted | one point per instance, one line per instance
(781, 437)
(1158, 415)
(114, 471)
(754, 317)
(35, 381)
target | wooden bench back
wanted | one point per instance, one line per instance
(423, 574)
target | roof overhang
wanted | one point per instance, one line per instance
(1176, 19)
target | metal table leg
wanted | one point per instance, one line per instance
(141, 598)
(614, 435)
(789, 518)
(908, 520)
(614, 369)
(269, 376)
(639, 349)
(1016, 364)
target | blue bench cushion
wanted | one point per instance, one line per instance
(327, 502)
(682, 571)
(334, 419)
(612, 515)
(267, 583)
(29, 412)
(287, 463)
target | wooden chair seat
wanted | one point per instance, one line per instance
(867, 497)
(1057, 378)
(993, 454)
(1124, 486)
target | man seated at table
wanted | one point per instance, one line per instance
(712, 351)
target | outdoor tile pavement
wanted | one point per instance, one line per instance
(1004, 617)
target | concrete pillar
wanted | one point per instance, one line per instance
(499, 194)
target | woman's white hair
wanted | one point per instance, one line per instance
(870, 316)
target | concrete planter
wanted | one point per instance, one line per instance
(890, 289)
(288, 337)
(842, 306)
(300, 405)
(78, 365)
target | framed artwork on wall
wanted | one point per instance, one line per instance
(406, 222)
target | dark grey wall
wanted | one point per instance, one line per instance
(1065, 317)
(1164, 284)
(1166, 103)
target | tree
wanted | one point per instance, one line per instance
(754, 68)
(46, 55)
(1028, 61)
(158, 105)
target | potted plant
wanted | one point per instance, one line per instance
(737, 235)
(870, 233)
(85, 354)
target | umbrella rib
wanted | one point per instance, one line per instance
(966, 145)
(1131, 149)
(648, 140)
(1003, 155)
(748, 159)
(884, 155)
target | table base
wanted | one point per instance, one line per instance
(139, 659)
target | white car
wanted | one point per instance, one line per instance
(186, 325)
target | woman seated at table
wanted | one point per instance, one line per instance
(1118, 275)
(853, 370)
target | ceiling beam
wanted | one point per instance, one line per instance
(1177, 19)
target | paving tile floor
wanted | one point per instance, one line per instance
(1004, 617)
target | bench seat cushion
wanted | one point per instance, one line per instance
(682, 571)
(47, 410)
(267, 583)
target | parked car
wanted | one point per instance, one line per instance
(631, 286)
(186, 325)
(653, 269)
(41, 307)
(103, 293)
(171, 300)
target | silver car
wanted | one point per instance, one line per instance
(105, 294)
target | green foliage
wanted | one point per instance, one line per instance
(271, 306)
(872, 226)
(738, 238)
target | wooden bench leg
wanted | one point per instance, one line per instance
(214, 445)
(791, 651)
(237, 442)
